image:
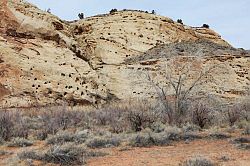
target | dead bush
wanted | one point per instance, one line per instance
(48, 123)
(242, 143)
(139, 120)
(233, 115)
(6, 125)
(61, 119)
(198, 161)
(3, 153)
(112, 116)
(21, 127)
(65, 155)
(245, 109)
(41, 135)
(108, 115)
(247, 130)
(200, 115)
(68, 154)
(219, 135)
(141, 116)
(148, 138)
(123, 117)
(30, 155)
(118, 126)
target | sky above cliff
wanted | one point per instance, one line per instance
(230, 18)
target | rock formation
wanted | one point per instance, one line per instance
(47, 61)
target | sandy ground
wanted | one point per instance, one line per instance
(12, 159)
(174, 155)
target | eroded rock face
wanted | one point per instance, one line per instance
(228, 79)
(130, 33)
(7, 19)
(47, 61)
(38, 65)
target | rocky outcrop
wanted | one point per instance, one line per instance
(48, 61)
(228, 81)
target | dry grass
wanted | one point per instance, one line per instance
(72, 133)
(198, 161)
(67, 154)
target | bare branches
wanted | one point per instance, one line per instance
(183, 77)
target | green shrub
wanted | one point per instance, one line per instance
(142, 140)
(179, 21)
(205, 26)
(190, 127)
(68, 154)
(64, 137)
(20, 142)
(99, 142)
(81, 16)
(30, 155)
(242, 143)
(150, 139)
(65, 155)
(243, 146)
(173, 133)
(60, 138)
(113, 11)
(241, 140)
(158, 127)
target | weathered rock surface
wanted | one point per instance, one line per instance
(47, 61)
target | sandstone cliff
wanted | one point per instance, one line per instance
(45, 60)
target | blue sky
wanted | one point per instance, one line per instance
(230, 18)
